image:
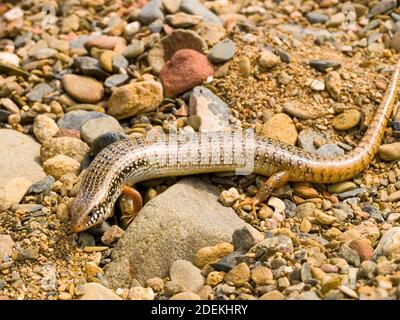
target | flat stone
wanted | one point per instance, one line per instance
(280, 127)
(9, 58)
(118, 44)
(246, 237)
(299, 111)
(196, 8)
(95, 291)
(382, 7)
(151, 12)
(182, 39)
(89, 66)
(42, 186)
(182, 20)
(135, 98)
(155, 57)
(187, 275)
(341, 187)
(213, 253)
(171, 6)
(75, 119)
(6, 246)
(82, 88)
(390, 151)
(393, 197)
(135, 49)
(306, 139)
(352, 193)
(330, 150)
(116, 80)
(222, 51)
(347, 119)
(19, 155)
(94, 128)
(185, 296)
(67, 146)
(316, 17)
(324, 65)
(213, 112)
(178, 229)
(38, 92)
(389, 244)
(13, 70)
(44, 53)
(44, 128)
(186, 69)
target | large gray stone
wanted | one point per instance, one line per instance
(19, 166)
(172, 226)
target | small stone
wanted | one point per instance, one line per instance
(245, 68)
(316, 17)
(196, 8)
(280, 243)
(222, 51)
(333, 84)
(210, 254)
(261, 275)
(106, 60)
(171, 288)
(214, 278)
(30, 253)
(38, 92)
(182, 20)
(95, 291)
(347, 120)
(272, 295)
(299, 112)
(42, 186)
(86, 239)
(185, 296)
(9, 58)
(118, 44)
(341, 187)
(280, 127)
(305, 210)
(186, 69)
(182, 39)
(330, 150)
(140, 293)
(82, 88)
(135, 98)
(75, 119)
(350, 255)
(6, 246)
(214, 113)
(305, 225)
(135, 49)
(44, 128)
(246, 237)
(352, 193)
(94, 128)
(119, 63)
(44, 53)
(390, 151)
(131, 29)
(268, 59)
(317, 85)
(238, 275)
(157, 284)
(363, 249)
(116, 80)
(68, 146)
(92, 270)
(324, 218)
(389, 245)
(90, 67)
(229, 197)
(382, 7)
(61, 165)
(151, 12)
(112, 235)
(210, 32)
(64, 296)
(306, 139)
(187, 275)
(324, 65)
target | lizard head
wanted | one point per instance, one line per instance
(86, 214)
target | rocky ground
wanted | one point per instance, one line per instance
(77, 75)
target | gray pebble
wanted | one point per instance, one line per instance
(116, 80)
(316, 17)
(330, 150)
(151, 11)
(196, 8)
(86, 239)
(75, 119)
(42, 186)
(38, 92)
(222, 51)
(324, 65)
(89, 66)
(351, 193)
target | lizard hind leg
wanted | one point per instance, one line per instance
(277, 180)
(131, 203)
